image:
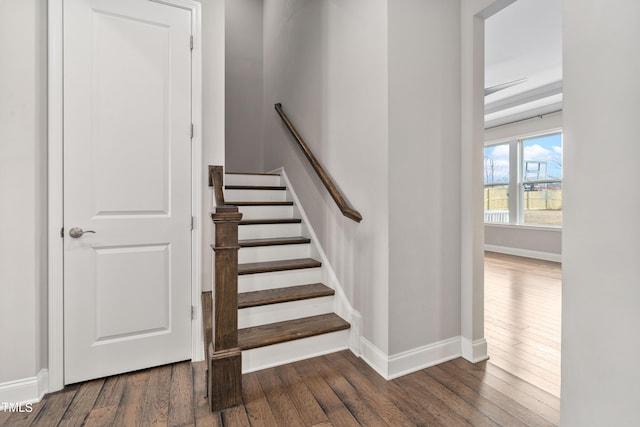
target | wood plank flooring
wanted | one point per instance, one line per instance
(523, 303)
(334, 390)
(519, 385)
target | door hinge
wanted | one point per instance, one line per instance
(62, 232)
(193, 312)
(192, 222)
(191, 42)
(191, 130)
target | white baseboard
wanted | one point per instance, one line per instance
(409, 361)
(26, 390)
(474, 351)
(374, 357)
(356, 328)
(423, 357)
(547, 256)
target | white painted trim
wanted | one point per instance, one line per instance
(292, 351)
(342, 307)
(55, 191)
(55, 186)
(26, 390)
(356, 333)
(546, 256)
(197, 177)
(374, 357)
(524, 226)
(475, 351)
(406, 362)
(423, 357)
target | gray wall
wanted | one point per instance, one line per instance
(244, 141)
(326, 62)
(424, 172)
(23, 189)
(213, 116)
(545, 243)
(601, 254)
(356, 77)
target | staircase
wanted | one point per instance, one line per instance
(285, 311)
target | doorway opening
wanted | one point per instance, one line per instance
(523, 191)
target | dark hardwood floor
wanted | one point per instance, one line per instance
(519, 386)
(523, 303)
(333, 390)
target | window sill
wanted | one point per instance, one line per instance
(557, 228)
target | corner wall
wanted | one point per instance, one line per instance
(326, 62)
(23, 191)
(213, 118)
(424, 174)
(243, 59)
(601, 285)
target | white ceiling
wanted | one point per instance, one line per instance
(524, 40)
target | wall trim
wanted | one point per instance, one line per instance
(55, 377)
(374, 357)
(26, 390)
(423, 357)
(356, 332)
(475, 351)
(342, 305)
(406, 362)
(546, 256)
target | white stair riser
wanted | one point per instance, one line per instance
(279, 279)
(266, 231)
(266, 212)
(272, 313)
(292, 351)
(234, 179)
(273, 253)
(255, 195)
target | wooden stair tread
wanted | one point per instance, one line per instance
(284, 203)
(275, 296)
(274, 241)
(270, 221)
(280, 265)
(275, 333)
(255, 187)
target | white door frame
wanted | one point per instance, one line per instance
(55, 186)
(474, 14)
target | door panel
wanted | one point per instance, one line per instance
(127, 176)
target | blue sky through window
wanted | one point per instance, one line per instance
(544, 155)
(547, 150)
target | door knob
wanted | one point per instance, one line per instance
(76, 232)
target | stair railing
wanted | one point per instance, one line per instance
(333, 189)
(224, 357)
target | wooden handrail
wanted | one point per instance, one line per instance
(337, 196)
(216, 177)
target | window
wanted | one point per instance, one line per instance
(523, 181)
(496, 183)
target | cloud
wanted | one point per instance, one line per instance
(538, 153)
(499, 152)
(557, 150)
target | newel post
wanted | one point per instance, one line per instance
(223, 355)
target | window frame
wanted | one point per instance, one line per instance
(516, 177)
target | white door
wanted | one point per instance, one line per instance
(127, 177)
